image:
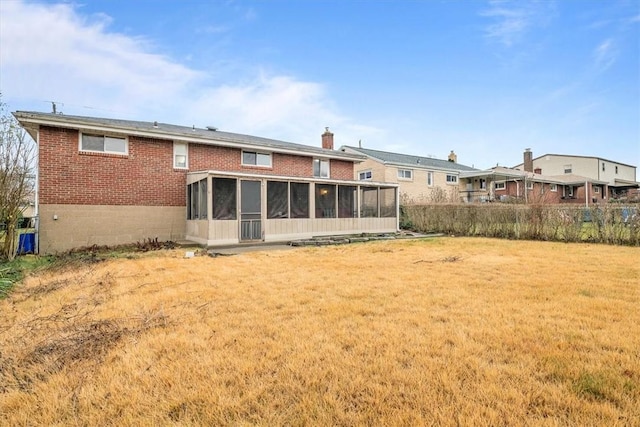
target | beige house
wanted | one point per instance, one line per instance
(619, 178)
(420, 179)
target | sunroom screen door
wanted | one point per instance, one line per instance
(250, 211)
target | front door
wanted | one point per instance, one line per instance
(250, 211)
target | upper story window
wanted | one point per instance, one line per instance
(452, 179)
(602, 166)
(321, 168)
(567, 169)
(616, 170)
(252, 158)
(430, 179)
(180, 155)
(405, 174)
(365, 176)
(104, 144)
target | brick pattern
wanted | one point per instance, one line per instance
(144, 177)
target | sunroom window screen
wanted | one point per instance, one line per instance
(277, 199)
(388, 203)
(224, 198)
(325, 201)
(347, 207)
(369, 202)
(299, 200)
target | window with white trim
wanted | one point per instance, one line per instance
(365, 176)
(104, 144)
(483, 184)
(321, 168)
(568, 169)
(180, 155)
(452, 179)
(405, 174)
(502, 185)
(553, 187)
(252, 158)
(430, 178)
(529, 185)
(596, 190)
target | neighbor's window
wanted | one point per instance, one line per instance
(430, 179)
(325, 201)
(364, 176)
(104, 144)
(553, 187)
(567, 169)
(277, 199)
(452, 179)
(224, 198)
(252, 158)
(405, 174)
(616, 170)
(596, 190)
(180, 153)
(529, 185)
(321, 168)
(501, 185)
(483, 184)
(602, 166)
(299, 196)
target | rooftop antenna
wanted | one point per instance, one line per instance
(359, 143)
(53, 107)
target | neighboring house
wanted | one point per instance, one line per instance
(505, 184)
(619, 177)
(420, 179)
(106, 182)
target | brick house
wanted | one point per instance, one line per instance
(530, 185)
(420, 179)
(106, 182)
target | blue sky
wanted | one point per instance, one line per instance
(484, 78)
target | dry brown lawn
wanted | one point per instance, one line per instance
(450, 331)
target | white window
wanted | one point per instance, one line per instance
(430, 179)
(251, 158)
(553, 187)
(452, 179)
(180, 155)
(596, 190)
(321, 168)
(529, 185)
(364, 176)
(501, 185)
(104, 144)
(567, 169)
(483, 184)
(405, 174)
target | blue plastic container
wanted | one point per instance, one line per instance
(26, 243)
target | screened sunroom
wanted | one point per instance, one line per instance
(228, 208)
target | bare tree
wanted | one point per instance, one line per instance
(17, 158)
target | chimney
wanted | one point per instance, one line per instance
(452, 157)
(537, 171)
(528, 160)
(327, 139)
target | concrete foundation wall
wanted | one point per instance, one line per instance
(87, 225)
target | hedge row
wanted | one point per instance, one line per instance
(608, 223)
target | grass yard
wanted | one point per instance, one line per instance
(449, 331)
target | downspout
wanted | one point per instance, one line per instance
(397, 208)
(36, 205)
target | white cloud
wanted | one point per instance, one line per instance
(512, 20)
(52, 53)
(605, 55)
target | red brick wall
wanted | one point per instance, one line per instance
(146, 176)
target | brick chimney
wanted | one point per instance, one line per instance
(452, 157)
(327, 139)
(528, 160)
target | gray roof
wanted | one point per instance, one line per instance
(410, 160)
(169, 131)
